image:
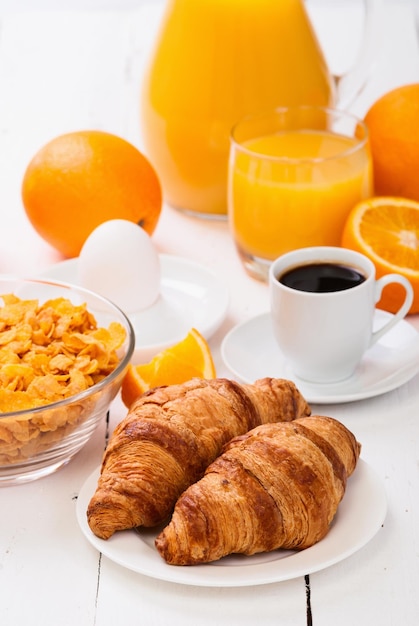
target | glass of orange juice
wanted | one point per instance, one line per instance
(294, 175)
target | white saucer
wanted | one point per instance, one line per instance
(250, 351)
(191, 296)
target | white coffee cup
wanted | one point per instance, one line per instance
(323, 335)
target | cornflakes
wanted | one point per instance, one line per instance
(48, 353)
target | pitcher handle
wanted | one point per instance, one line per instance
(350, 84)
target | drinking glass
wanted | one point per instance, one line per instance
(294, 175)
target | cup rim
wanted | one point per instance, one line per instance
(313, 256)
(359, 145)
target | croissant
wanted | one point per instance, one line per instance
(277, 486)
(169, 437)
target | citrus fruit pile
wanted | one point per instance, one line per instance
(386, 227)
(190, 358)
(81, 179)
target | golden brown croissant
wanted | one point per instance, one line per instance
(277, 486)
(169, 437)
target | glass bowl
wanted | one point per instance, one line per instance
(35, 442)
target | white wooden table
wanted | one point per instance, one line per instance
(71, 65)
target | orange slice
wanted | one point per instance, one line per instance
(386, 229)
(190, 358)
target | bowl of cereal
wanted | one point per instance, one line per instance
(64, 351)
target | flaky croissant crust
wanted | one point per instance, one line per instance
(277, 486)
(170, 436)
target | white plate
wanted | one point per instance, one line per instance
(250, 351)
(191, 296)
(359, 517)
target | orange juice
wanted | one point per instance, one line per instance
(294, 189)
(215, 61)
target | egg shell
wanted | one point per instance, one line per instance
(120, 262)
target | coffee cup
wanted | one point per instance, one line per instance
(323, 300)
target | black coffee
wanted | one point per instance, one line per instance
(322, 277)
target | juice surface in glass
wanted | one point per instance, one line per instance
(215, 61)
(294, 189)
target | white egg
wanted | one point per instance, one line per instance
(119, 261)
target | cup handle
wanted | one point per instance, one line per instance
(404, 309)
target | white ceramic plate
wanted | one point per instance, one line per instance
(191, 296)
(250, 351)
(359, 517)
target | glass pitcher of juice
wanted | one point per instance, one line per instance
(214, 62)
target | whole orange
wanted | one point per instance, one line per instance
(393, 125)
(81, 179)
